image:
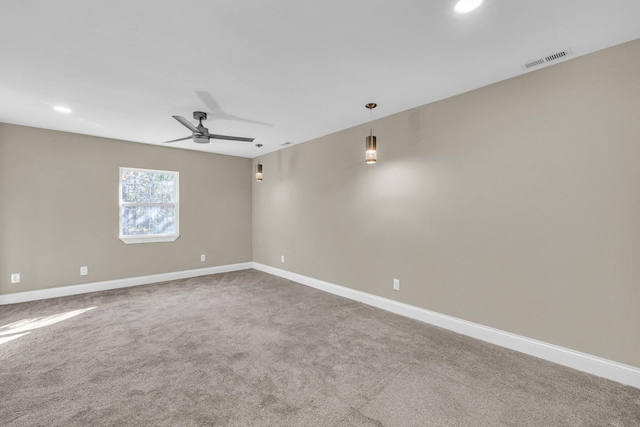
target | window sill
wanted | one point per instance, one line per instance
(148, 239)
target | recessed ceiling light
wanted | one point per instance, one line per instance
(466, 6)
(62, 109)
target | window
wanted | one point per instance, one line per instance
(148, 205)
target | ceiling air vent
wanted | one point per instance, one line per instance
(533, 64)
(549, 58)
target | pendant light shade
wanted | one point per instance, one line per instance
(371, 155)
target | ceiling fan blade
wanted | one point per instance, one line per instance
(210, 102)
(231, 138)
(186, 123)
(176, 140)
(217, 113)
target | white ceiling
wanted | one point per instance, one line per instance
(280, 70)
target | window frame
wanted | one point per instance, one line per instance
(150, 238)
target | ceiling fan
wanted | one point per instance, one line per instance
(201, 134)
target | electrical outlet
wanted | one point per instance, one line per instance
(84, 270)
(15, 278)
(281, 258)
(396, 284)
(203, 258)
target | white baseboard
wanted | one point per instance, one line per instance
(63, 291)
(609, 369)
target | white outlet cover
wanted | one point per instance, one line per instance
(396, 284)
(282, 258)
(84, 271)
(203, 257)
(15, 278)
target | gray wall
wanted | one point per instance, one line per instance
(516, 206)
(59, 196)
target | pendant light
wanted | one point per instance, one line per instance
(259, 167)
(370, 153)
(259, 171)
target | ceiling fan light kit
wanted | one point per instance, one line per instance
(200, 139)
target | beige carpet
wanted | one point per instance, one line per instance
(250, 349)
